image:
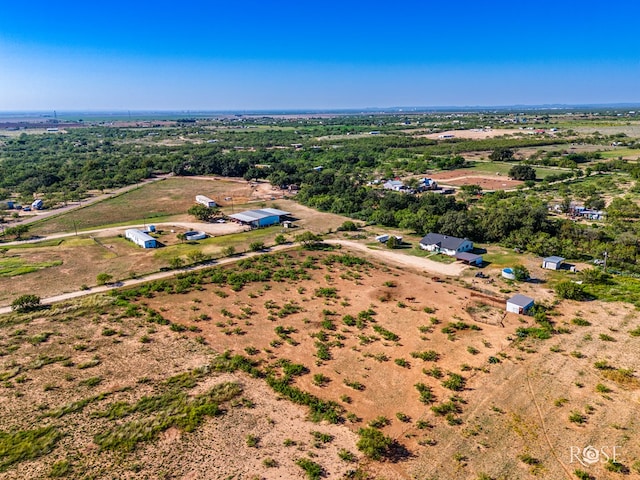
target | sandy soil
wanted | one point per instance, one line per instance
(517, 404)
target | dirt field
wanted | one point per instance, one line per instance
(475, 134)
(471, 177)
(509, 418)
(138, 361)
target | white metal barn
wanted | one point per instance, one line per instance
(140, 238)
(206, 201)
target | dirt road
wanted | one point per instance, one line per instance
(397, 258)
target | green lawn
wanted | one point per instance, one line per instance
(502, 257)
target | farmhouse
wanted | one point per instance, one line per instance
(435, 242)
(206, 201)
(519, 304)
(140, 238)
(260, 218)
(552, 263)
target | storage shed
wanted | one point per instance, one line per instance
(552, 263)
(519, 304)
(140, 238)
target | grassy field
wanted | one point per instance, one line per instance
(214, 245)
(501, 257)
(13, 266)
(152, 202)
(503, 169)
(622, 152)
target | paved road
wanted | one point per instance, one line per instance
(386, 256)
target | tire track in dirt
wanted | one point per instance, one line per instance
(544, 427)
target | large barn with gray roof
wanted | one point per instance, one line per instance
(260, 218)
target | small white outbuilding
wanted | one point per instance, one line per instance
(519, 304)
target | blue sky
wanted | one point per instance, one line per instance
(281, 54)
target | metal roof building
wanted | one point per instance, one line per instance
(206, 201)
(519, 303)
(470, 258)
(436, 242)
(260, 218)
(552, 263)
(140, 238)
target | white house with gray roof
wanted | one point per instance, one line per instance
(436, 242)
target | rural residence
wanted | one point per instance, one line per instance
(435, 242)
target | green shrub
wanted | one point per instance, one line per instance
(455, 382)
(269, 463)
(26, 303)
(373, 443)
(581, 322)
(312, 470)
(386, 334)
(59, 469)
(401, 362)
(577, 417)
(570, 290)
(379, 422)
(428, 355)
(320, 380)
(346, 455)
(252, 441)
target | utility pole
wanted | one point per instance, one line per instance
(606, 255)
(75, 227)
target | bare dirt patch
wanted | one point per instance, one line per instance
(369, 334)
(475, 134)
(471, 177)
